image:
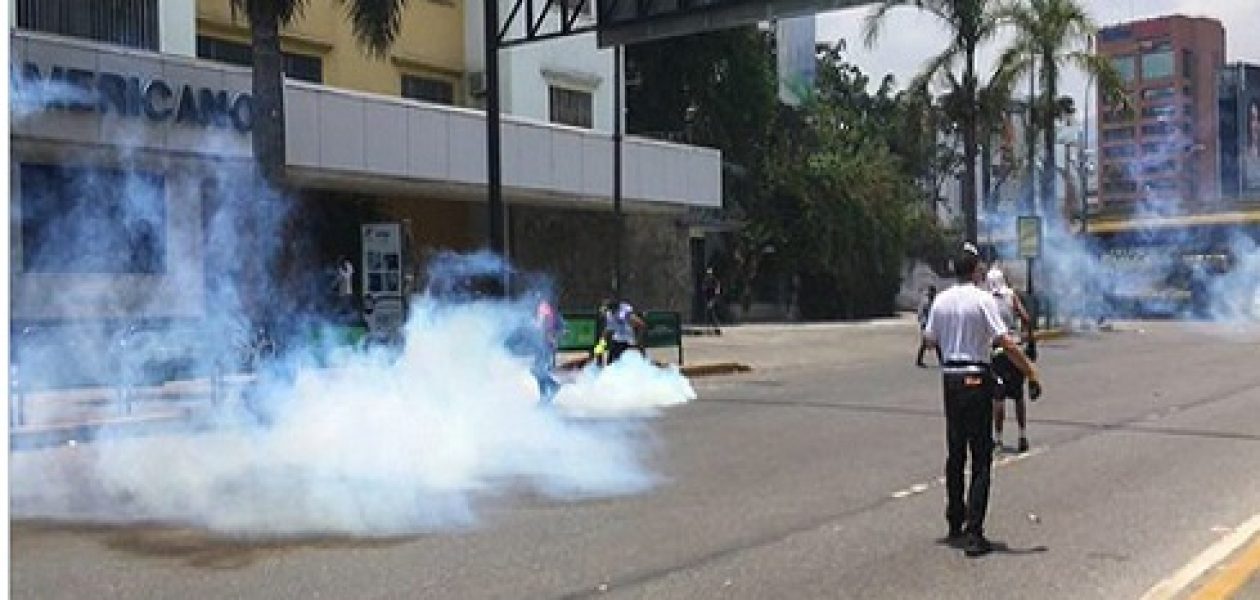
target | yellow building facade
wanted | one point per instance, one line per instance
(429, 48)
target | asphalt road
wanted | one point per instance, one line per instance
(815, 476)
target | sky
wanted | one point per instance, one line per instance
(910, 38)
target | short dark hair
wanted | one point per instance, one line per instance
(965, 265)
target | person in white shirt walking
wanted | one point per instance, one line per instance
(964, 323)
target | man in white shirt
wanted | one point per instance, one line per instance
(964, 323)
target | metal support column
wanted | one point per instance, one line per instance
(494, 173)
(616, 191)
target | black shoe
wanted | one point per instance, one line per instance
(955, 538)
(920, 365)
(977, 545)
(1023, 444)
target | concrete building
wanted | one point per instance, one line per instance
(1162, 155)
(163, 113)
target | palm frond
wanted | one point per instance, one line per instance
(376, 23)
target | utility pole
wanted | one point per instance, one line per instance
(494, 119)
(617, 135)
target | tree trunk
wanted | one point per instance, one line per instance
(268, 129)
(1049, 84)
(970, 150)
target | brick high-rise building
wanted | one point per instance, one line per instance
(1162, 155)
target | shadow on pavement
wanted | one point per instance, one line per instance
(195, 547)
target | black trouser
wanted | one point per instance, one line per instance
(616, 349)
(968, 424)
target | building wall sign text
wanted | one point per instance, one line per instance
(84, 90)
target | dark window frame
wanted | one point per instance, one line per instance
(130, 23)
(568, 106)
(427, 89)
(302, 67)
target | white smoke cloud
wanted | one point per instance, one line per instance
(331, 438)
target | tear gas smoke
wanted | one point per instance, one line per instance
(1182, 272)
(331, 439)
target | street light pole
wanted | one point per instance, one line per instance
(494, 173)
(620, 226)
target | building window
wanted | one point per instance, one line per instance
(1162, 185)
(1160, 167)
(1159, 112)
(1158, 65)
(1126, 66)
(1120, 187)
(1113, 135)
(298, 66)
(1159, 129)
(571, 107)
(1120, 152)
(1187, 63)
(428, 89)
(1159, 93)
(92, 220)
(132, 23)
(1157, 148)
(1117, 115)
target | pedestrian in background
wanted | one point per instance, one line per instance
(623, 328)
(1010, 379)
(924, 307)
(964, 322)
(712, 290)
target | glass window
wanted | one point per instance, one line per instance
(1120, 187)
(92, 220)
(132, 23)
(1126, 66)
(1162, 185)
(297, 66)
(571, 107)
(428, 89)
(1159, 129)
(1123, 133)
(1167, 165)
(1117, 115)
(1159, 93)
(1159, 112)
(1158, 65)
(1120, 152)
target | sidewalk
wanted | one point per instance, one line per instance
(81, 414)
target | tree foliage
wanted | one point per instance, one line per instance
(831, 195)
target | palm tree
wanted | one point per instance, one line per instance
(1051, 35)
(376, 25)
(970, 23)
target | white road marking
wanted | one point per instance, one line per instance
(1209, 558)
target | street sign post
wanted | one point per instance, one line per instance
(1028, 232)
(1028, 236)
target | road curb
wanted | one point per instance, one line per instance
(1052, 334)
(706, 370)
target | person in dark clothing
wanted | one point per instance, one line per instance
(712, 289)
(964, 323)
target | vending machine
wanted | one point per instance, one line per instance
(383, 300)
